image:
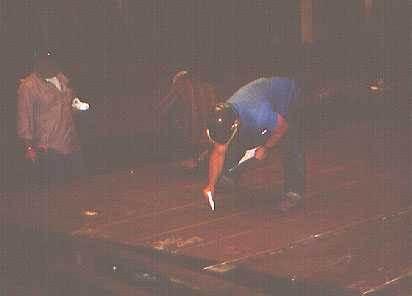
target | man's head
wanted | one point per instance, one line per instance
(46, 65)
(183, 74)
(223, 123)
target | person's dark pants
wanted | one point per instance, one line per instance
(58, 168)
(291, 147)
(293, 156)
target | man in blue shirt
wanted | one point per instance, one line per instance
(262, 114)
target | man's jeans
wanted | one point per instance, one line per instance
(291, 147)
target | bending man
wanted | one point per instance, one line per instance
(262, 114)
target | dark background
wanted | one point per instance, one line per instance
(127, 50)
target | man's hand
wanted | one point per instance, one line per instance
(208, 188)
(42, 148)
(208, 192)
(261, 153)
(31, 154)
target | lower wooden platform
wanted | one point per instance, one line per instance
(147, 225)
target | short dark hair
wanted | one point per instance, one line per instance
(46, 65)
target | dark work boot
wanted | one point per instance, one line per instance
(228, 181)
(290, 201)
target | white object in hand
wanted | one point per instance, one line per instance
(248, 155)
(79, 105)
(211, 202)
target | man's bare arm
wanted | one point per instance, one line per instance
(168, 100)
(277, 133)
(216, 161)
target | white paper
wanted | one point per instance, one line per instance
(211, 202)
(248, 155)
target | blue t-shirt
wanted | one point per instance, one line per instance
(259, 103)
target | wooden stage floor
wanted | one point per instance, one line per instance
(354, 233)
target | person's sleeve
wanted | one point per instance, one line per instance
(166, 102)
(66, 81)
(25, 123)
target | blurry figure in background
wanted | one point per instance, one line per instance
(45, 122)
(183, 117)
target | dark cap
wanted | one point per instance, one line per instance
(223, 123)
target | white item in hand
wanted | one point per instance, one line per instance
(79, 105)
(248, 155)
(211, 202)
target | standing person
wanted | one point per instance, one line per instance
(45, 122)
(262, 114)
(183, 118)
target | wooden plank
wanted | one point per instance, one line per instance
(148, 213)
(132, 267)
(296, 226)
(400, 285)
(259, 215)
(330, 249)
(138, 191)
(154, 206)
(196, 214)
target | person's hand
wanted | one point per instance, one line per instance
(31, 154)
(261, 153)
(42, 148)
(208, 188)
